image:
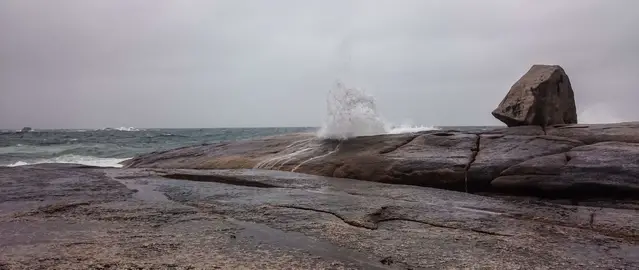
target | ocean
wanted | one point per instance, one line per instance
(351, 112)
(108, 147)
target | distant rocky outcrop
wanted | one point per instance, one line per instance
(558, 161)
(542, 97)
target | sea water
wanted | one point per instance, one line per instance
(108, 147)
(351, 112)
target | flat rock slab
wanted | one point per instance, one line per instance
(590, 134)
(90, 218)
(499, 152)
(607, 168)
(464, 161)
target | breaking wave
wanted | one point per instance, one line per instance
(351, 112)
(409, 129)
(599, 113)
(121, 129)
(74, 159)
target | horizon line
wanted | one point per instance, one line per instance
(227, 127)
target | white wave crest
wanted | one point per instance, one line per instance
(120, 129)
(351, 112)
(74, 159)
(409, 129)
(127, 129)
(599, 113)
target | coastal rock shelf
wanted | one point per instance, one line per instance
(78, 217)
(571, 161)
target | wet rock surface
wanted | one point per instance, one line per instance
(473, 161)
(621, 132)
(78, 217)
(606, 169)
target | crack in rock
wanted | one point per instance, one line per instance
(432, 224)
(229, 180)
(383, 215)
(345, 220)
(375, 218)
(395, 147)
(473, 156)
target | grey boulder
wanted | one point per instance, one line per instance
(542, 97)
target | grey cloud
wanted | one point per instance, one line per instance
(144, 63)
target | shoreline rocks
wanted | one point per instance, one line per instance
(477, 161)
(551, 194)
(61, 216)
(543, 152)
(606, 168)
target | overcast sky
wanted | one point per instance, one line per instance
(215, 63)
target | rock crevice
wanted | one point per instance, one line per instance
(384, 214)
(473, 156)
(351, 222)
(395, 147)
(219, 179)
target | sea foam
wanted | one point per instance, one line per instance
(600, 113)
(74, 159)
(119, 129)
(351, 112)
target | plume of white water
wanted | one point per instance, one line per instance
(599, 113)
(351, 112)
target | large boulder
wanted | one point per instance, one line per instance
(543, 97)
